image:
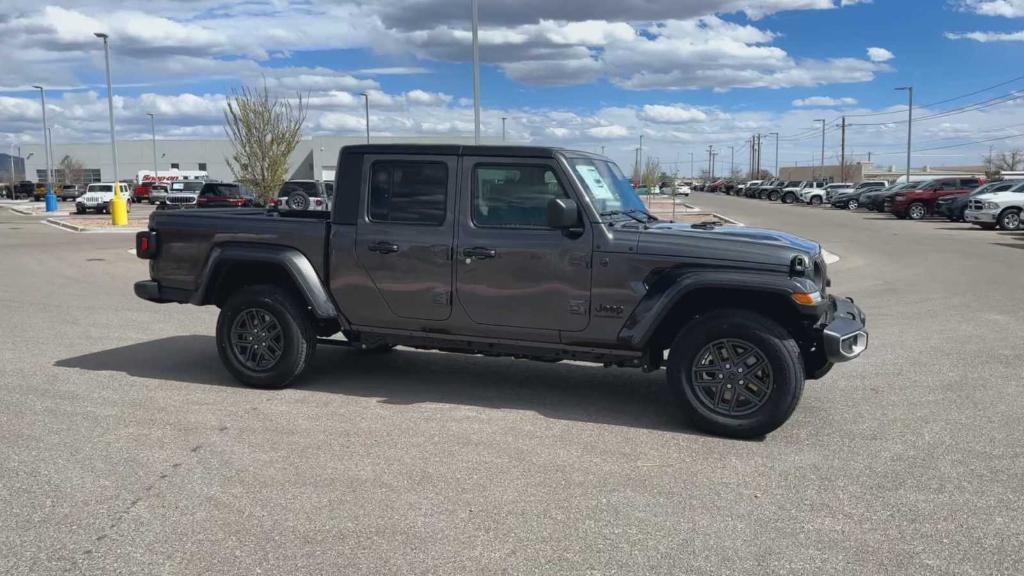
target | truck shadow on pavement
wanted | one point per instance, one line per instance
(574, 392)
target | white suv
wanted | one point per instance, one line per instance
(1001, 209)
(98, 196)
(819, 192)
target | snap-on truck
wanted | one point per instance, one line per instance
(526, 252)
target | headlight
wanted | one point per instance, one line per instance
(991, 206)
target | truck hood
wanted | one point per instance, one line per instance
(737, 243)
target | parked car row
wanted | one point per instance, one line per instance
(956, 198)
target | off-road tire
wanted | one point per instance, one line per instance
(298, 336)
(779, 350)
(298, 200)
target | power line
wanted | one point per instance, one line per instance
(947, 100)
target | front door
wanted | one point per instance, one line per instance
(404, 240)
(512, 270)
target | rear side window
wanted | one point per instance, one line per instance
(309, 188)
(970, 183)
(514, 196)
(221, 190)
(406, 192)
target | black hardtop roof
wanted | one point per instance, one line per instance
(464, 150)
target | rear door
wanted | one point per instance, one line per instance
(404, 238)
(512, 270)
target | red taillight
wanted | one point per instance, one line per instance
(145, 244)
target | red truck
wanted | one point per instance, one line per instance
(920, 202)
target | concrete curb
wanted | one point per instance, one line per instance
(22, 211)
(65, 225)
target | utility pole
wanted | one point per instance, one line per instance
(118, 205)
(691, 165)
(776, 134)
(476, 75)
(711, 150)
(732, 161)
(822, 164)
(842, 154)
(751, 164)
(910, 122)
(366, 101)
(714, 156)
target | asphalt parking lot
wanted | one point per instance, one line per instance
(127, 448)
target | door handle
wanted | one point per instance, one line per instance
(383, 247)
(479, 253)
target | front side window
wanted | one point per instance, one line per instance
(514, 196)
(406, 192)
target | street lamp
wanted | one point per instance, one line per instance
(503, 118)
(51, 199)
(152, 123)
(822, 164)
(910, 121)
(118, 206)
(366, 101)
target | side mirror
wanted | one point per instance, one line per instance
(563, 213)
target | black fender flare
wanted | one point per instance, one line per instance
(672, 286)
(293, 262)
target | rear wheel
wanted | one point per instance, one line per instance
(1010, 219)
(735, 373)
(788, 198)
(264, 336)
(916, 211)
(773, 196)
(815, 200)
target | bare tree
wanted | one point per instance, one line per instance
(1010, 161)
(264, 131)
(71, 170)
(652, 172)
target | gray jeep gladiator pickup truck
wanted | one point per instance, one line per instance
(528, 252)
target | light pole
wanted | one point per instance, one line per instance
(503, 118)
(476, 74)
(776, 134)
(691, 165)
(53, 157)
(51, 199)
(118, 206)
(732, 160)
(13, 177)
(822, 164)
(152, 123)
(910, 122)
(640, 159)
(366, 101)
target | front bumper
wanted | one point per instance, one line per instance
(92, 205)
(843, 332)
(981, 216)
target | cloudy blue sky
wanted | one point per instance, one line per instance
(585, 74)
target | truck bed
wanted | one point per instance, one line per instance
(189, 236)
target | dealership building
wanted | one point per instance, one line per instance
(313, 159)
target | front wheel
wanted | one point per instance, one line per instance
(264, 337)
(814, 201)
(735, 373)
(852, 205)
(916, 211)
(773, 196)
(1010, 219)
(789, 198)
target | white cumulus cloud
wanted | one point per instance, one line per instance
(671, 114)
(824, 101)
(876, 54)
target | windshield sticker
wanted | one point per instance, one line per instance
(597, 185)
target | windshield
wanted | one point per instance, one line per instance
(101, 188)
(193, 186)
(793, 184)
(608, 189)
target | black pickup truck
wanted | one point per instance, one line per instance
(529, 252)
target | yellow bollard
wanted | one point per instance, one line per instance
(118, 207)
